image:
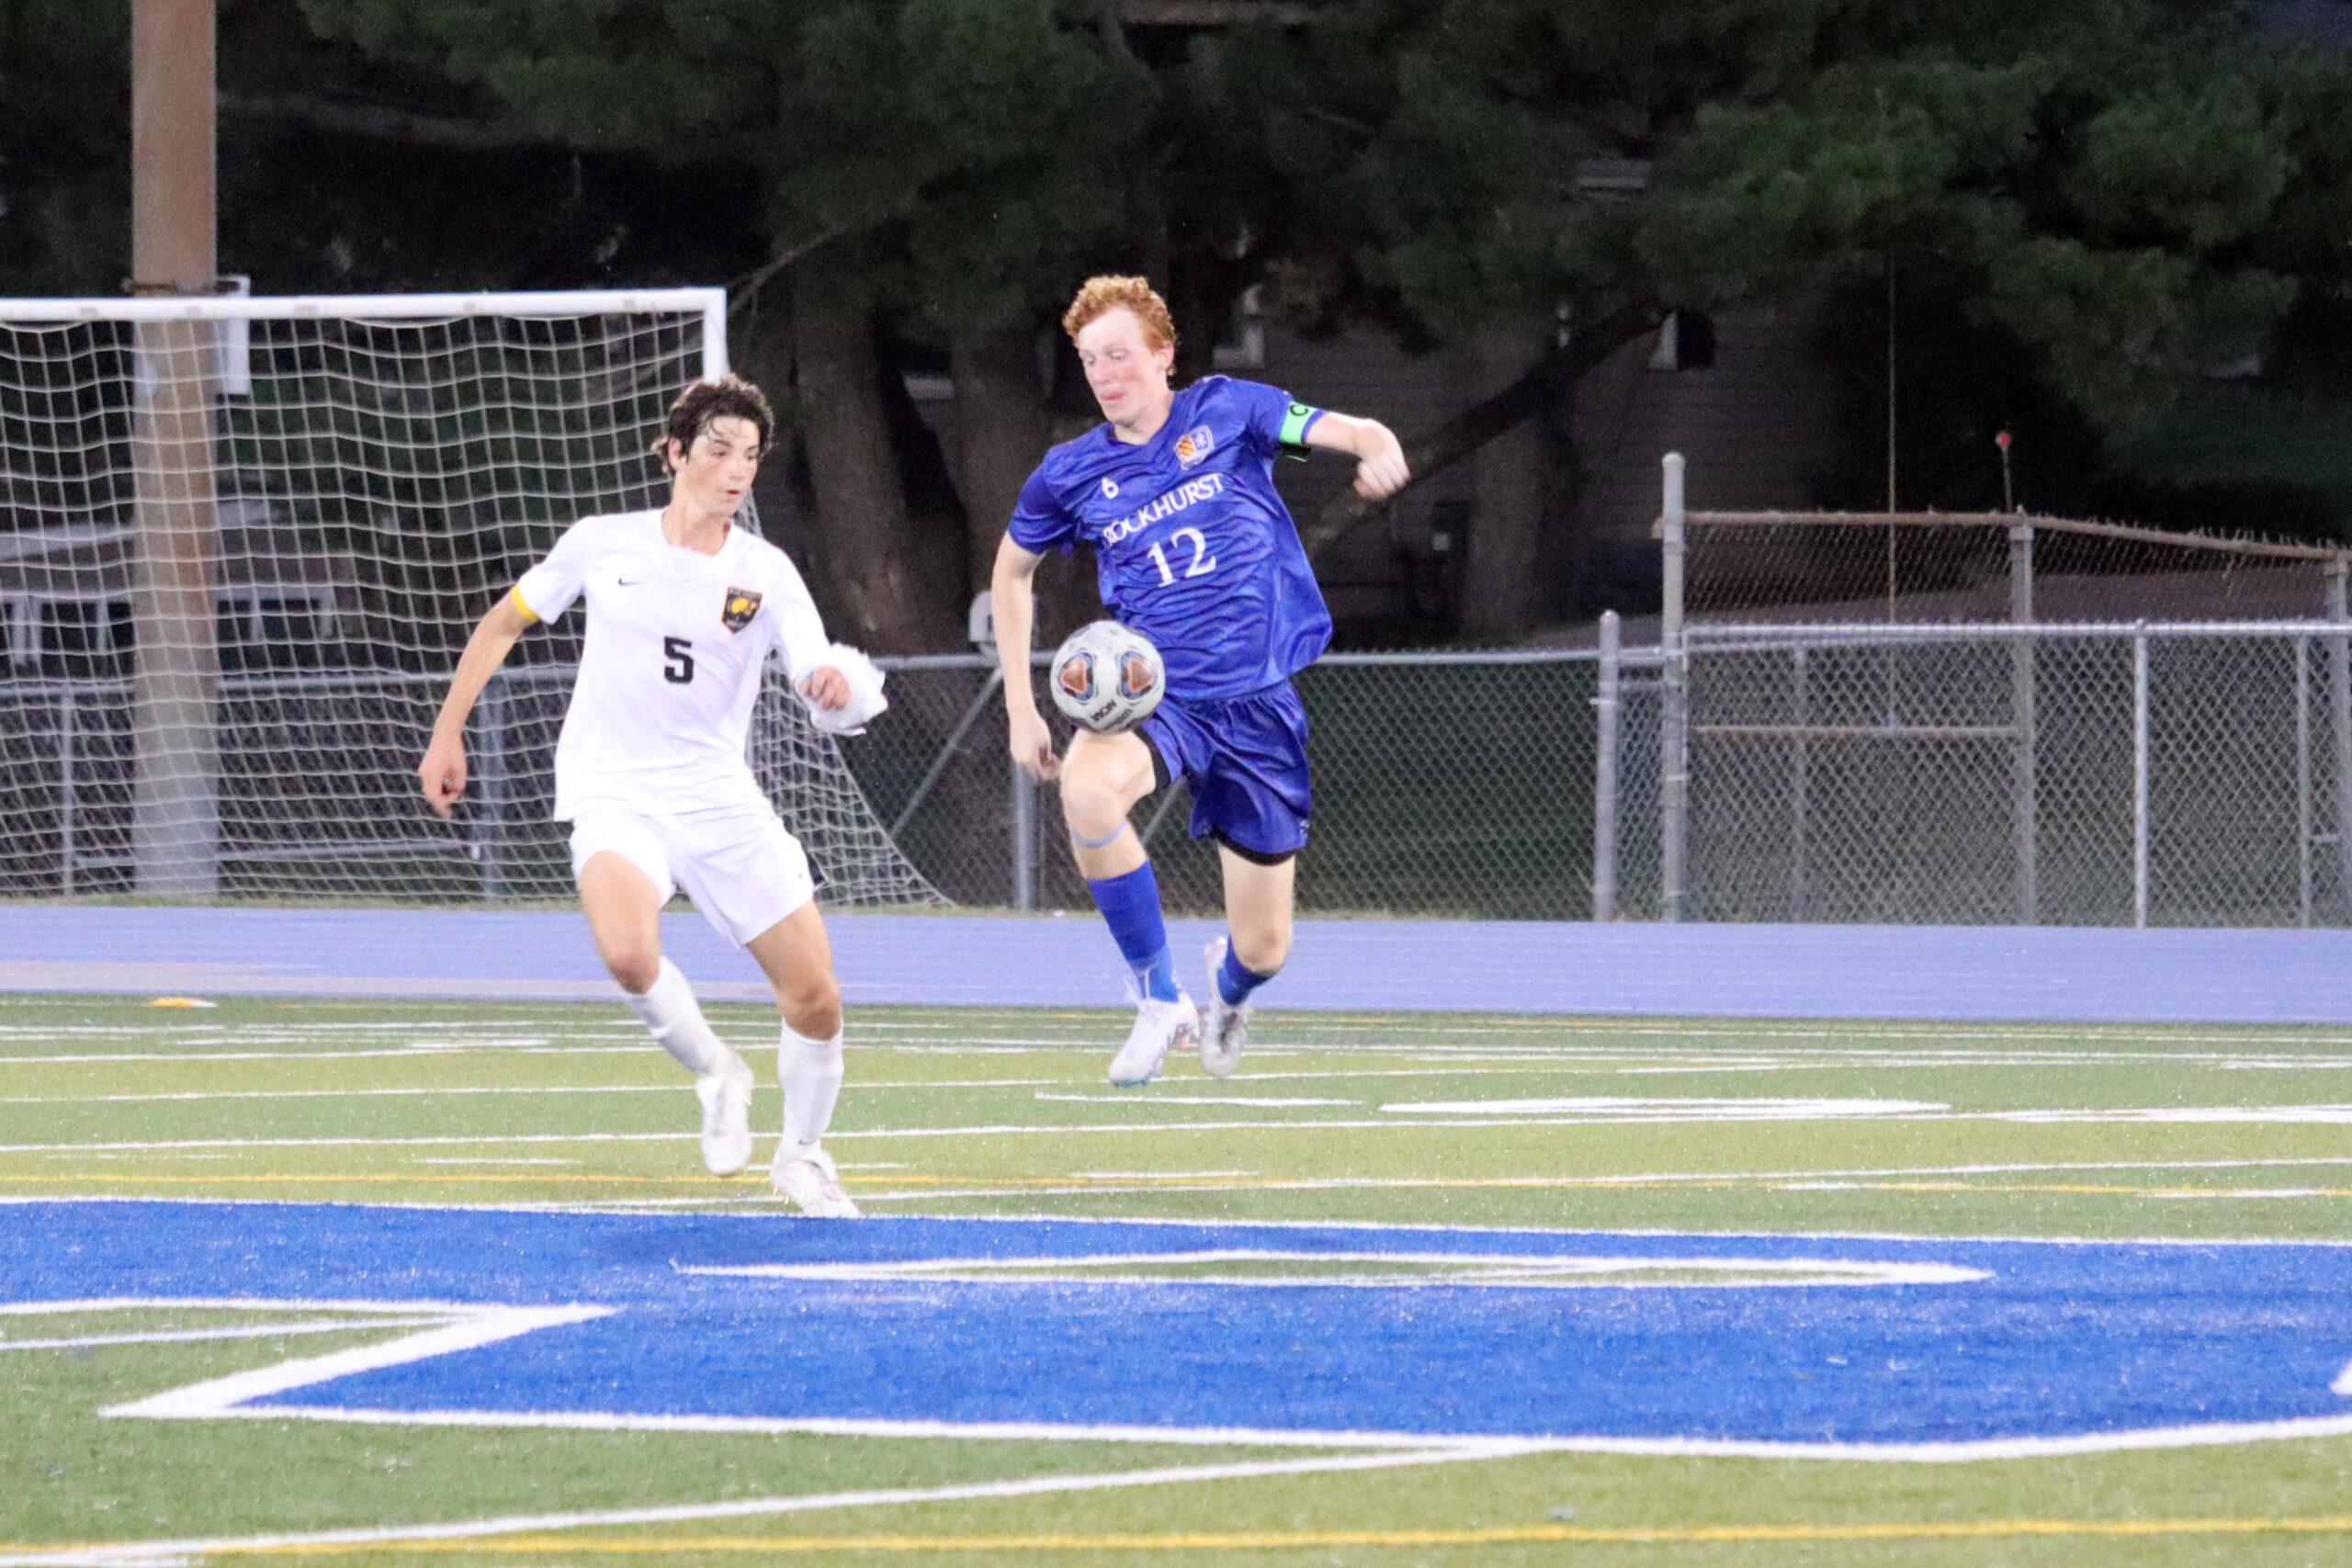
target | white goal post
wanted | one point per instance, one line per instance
(241, 542)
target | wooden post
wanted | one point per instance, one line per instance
(175, 813)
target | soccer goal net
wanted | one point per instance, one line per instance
(242, 544)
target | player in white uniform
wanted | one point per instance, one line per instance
(683, 609)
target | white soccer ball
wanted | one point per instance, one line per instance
(1108, 677)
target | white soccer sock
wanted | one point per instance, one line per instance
(669, 1009)
(812, 1071)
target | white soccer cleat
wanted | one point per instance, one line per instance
(806, 1175)
(1225, 1026)
(1159, 1027)
(726, 1097)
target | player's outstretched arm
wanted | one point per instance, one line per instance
(443, 772)
(1381, 470)
(1012, 597)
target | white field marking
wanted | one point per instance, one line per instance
(459, 1328)
(73, 1306)
(1149, 1175)
(408, 1052)
(1704, 1110)
(2328, 1115)
(989, 1130)
(1791, 1181)
(438, 1141)
(1417, 1121)
(1130, 1098)
(182, 1335)
(1463, 1445)
(228, 1396)
(436, 1091)
(152, 1553)
(1543, 1232)
(1447, 1269)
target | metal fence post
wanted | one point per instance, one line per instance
(2139, 773)
(1024, 839)
(1674, 749)
(2023, 726)
(65, 791)
(490, 816)
(1604, 777)
(2303, 779)
(2339, 672)
(1799, 780)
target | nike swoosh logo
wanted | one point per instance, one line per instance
(629, 583)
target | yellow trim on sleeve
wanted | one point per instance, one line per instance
(523, 604)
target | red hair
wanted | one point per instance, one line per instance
(1097, 297)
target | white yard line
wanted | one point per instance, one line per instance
(129, 1554)
(2285, 1115)
(186, 1336)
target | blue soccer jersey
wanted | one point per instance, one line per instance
(1194, 547)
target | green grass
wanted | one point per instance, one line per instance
(1002, 1113)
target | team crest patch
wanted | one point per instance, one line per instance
(1193, 445)
(742, 605)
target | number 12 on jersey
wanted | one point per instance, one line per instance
(1201, 565)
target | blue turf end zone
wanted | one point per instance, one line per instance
(1982, 973)
(1958, 1349)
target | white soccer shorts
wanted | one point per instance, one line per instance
(738, 865)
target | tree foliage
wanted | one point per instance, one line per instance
(2124, 192)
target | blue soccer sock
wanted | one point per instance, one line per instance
(1234, 983)
(1130, 904)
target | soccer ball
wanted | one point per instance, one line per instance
(1107, 677)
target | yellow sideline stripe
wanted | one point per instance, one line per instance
(1269, 1541)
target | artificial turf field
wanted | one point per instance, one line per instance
(1488, 1220)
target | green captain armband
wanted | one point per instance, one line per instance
(1296, 419)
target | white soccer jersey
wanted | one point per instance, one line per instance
(672, 667)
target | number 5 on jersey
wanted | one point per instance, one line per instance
(677, 661)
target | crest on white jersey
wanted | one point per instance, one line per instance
(742, 603)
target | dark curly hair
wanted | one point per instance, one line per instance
(729, 397)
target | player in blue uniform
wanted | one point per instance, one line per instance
(1196, 551)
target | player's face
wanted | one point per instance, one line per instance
(1129, 378)
(715, 473)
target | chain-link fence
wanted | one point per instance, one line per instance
(1920, 717)
(2151, 774)
(1445, 783)
(319, 798)
(2161, 773)
(1982, 753)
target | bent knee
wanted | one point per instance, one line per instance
(813, 1008)
(634, 966)
(1262, 952)
(1092, 810)
(1101, 784)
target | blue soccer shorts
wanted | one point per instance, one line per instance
(1245, 761)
